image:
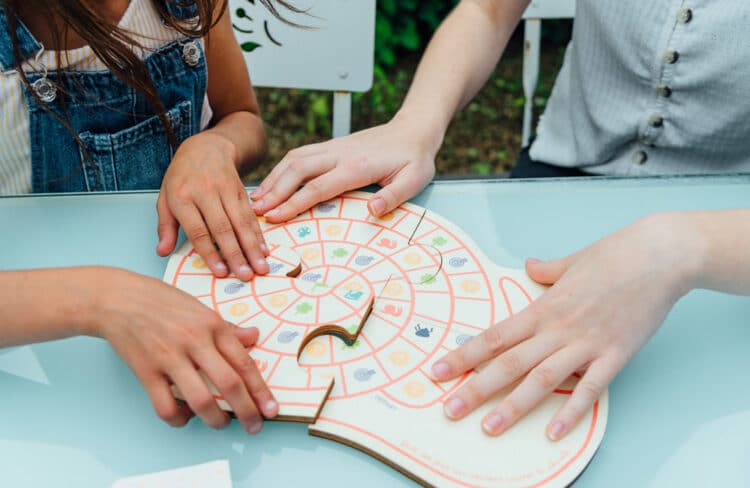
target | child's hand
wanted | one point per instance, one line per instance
(605, 303)
(388, 155)
(203, 193)
(166, 336)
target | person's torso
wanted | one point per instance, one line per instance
(123, 144)
(652, 88)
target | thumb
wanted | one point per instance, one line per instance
(404, 185)
(167, 228)
(546, 272)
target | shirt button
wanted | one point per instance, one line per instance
(656, 121)
(640, 157)
(671, 56)
(664, 91)
(684, 16)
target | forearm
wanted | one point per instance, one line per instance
(725, 262)
(458, 61)
(245, 131)
(47, 304)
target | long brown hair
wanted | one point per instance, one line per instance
(114, 45)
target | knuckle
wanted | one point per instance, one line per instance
(246, 366)
(229, 384)
(184, 194)
(512, 408)
(510, 364)
(203, 403)
(223, 228)
(590, 390)
(198, 232)
(471, 394)
(314, 189)
(493, 338)
(545, 376)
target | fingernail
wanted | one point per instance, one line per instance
(245, 269)
(556, 431)
(455, 408)
(264, 249)
(254, 428)
(441, 369)
(377, 205)
(492, 423)
(272, 214)
(271, 406)
(261, 262)
(256, 193)
(220, 267)
(258, 205)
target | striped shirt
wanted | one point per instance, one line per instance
(144, 25)
(651, 88)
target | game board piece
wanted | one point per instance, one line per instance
(434, 291)
(214, 474)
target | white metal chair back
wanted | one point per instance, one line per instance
(535, 13)
(336, 52)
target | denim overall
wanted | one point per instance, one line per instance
(125, 140)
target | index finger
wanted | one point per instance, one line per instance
(196, 231)
(490, 343)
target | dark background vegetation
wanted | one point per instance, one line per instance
(484, 139)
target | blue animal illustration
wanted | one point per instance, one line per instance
(458, 262)
(463, 339)
(233, 288)
(312, 277)
(363, 374)
(353, 295)
(420, 331)
(303, 232)
(363, 260)
(326, 207)
(287, 336)
(274, 267)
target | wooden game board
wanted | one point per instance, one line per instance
(395, 294)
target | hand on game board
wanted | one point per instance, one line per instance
(388, 155)
(604, 303)
(203, 193)
(165, 335)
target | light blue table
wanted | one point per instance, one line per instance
(72, 414)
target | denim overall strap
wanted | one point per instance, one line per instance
(27, 45)
(126, 146)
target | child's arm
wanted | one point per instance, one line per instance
(400, 155)
(161, 332)
(202, 190)
(605, 303)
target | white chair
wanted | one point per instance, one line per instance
(535, 13)
(334, 53)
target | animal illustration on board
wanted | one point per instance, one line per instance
(399, 291)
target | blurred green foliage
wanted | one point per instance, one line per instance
(405, 26)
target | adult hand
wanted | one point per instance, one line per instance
(166, 336)
(604, 303)
(203, 193)
(388, 155)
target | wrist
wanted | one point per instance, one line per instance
(94, 289)
(428, 133)
(683, 246)
(221, 142)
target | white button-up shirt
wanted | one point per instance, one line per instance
(652, 87)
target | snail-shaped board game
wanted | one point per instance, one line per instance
(352, 316)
